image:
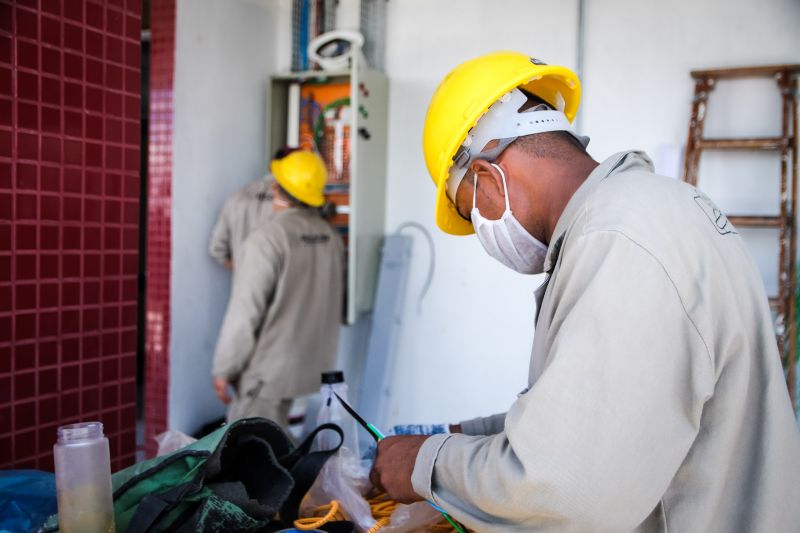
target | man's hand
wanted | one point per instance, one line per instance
(221, 388)
(394, 464)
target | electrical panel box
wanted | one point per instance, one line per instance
(343, 115)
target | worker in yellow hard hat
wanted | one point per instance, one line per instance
(281, 328)
(655, 399)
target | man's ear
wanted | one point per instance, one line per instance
(489, 178)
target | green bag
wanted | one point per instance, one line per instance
(237, 478)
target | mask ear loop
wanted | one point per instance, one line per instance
(474, 189)
(505, 188)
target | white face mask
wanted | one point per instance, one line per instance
(505, 239)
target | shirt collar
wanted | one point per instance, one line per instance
(618, 162)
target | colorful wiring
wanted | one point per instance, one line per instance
(381, 507)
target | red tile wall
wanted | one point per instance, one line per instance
(159, 209)
(69, 203)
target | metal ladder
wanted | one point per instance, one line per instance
(784, 303)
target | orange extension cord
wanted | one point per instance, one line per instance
(381, 506)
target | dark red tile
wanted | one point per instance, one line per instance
(51, 208)
(6, 115)
(26, 239)
(73, 180)
(25, 298)
(129, 316)
(132, 81)
(114, 22)
(113, 131)
(48, 266)
(92, 239)
(48, 324)
(48, 353)
(5, 49)
(133, 54)
(114, 104)
(27, 115)
(48, 294)
(91, 345)
(133, 27)
(27, 23)
(70, 322)
(7, 205)
(73, 94)
(51, 6)
(73, 66)
(51, 61)
(72, 209)
(130, 264)
(50, 236)
(71, 268)
(73, 37)
(25, 446)
(111, 264)
(51, 119)
(111, 291)
(5, 336)
(27, 55)
(91, 319)
(51, 178)
(92, 210)
(94, 71)
(48, 381)
(51, 31)
(5, 142)
(25, 414)
(113, 157)
(73, 123)
(71, 349)
(70, 377)
(114, 77)
(94, 126)
(74, 11)
(113, 211)
(51, 149)
(5, 80)
(24, 356)
(129, 290)
(70, 293)
(6, 18)
(26, 176)
(70, 407)
(91, 269)
(51, 91)
(94, 154)
(110, 396)
(91, 374)
(114, 51)
(91, 400)
(110, 370)
(91, 292)
(73, 152)
(71, 238)
(94, 15)
(24, 385)
(27, 207)
(48, 407)
(27, 145)
(27, 85)
(6, 300)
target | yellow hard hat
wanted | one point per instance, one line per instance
(466, 94)
(303, 175)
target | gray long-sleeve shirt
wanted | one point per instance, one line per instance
(281, 329)
(656, 397)
(240, 215)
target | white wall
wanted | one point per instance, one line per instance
(467, 353)
(225, 53)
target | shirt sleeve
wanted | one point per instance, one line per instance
(219, 247)
(254, 281)
(487, 425)
(594, 444)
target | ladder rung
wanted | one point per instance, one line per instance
(756, 221)
(770, 143)
(744, 72)
(775, 302)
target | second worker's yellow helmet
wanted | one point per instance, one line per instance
(303, 175)
(466, 94)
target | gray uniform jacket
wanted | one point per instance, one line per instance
(281, 328)
(241, 214)
(656, 397)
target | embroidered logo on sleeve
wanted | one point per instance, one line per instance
(717, 217)
(315, 239)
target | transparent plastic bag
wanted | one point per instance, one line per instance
(172, 440)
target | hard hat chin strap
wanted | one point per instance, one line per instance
(504, 122)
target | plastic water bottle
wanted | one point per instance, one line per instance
(83, 479)
(331, 410)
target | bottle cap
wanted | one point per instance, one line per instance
(329, 378)
(79, 432)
